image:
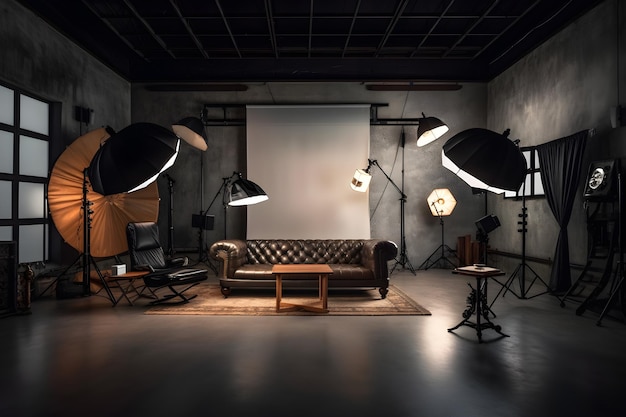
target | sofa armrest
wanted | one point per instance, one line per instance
(232, 253)
(375, 255)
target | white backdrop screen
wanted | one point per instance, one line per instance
(304, 158)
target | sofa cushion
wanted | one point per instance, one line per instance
(346, 272)
(254, 271)
(292, 251)
(340, 271)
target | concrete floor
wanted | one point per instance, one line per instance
(81, 357)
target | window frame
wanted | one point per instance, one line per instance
(15, 223)
(532, 185)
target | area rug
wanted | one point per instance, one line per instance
(246, 302)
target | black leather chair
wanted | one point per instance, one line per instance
(146, 254)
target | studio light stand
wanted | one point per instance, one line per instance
(85, 258)
(236, 191)
(170, 216)
(430, 262)
(520, 272)
(202, 249)
(402, 259)
(483, 241)
(201, 221)
(484, 226)
(441, 203)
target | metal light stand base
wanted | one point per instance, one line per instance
(85, 258)
(202, 250)
(403, 259)
(430, 262)
(520, 272)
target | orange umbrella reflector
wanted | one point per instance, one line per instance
(111, 213)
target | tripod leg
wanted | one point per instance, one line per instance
(429, 262)
(574, 286)
(56, 279)
(506, 287)
(404, 261)
(103, 280)
(535, 278)
(615, 291)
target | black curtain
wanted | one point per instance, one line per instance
(560, 164)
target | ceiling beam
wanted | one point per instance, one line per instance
(396, 16)
(230, 33)
(189, 30)
(476, 22)
(147, 26)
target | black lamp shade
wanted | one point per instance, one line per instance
(244, 192)
(191, 130)
(132, 158)
(485, 159)
(429, 129)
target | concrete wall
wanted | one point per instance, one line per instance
(423, 171)
(39, 60)
(566, 85)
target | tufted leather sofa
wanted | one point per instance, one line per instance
(356, 263)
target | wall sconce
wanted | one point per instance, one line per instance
(83, 115)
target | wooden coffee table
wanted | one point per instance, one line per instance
(322, 271)
(127, 289)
